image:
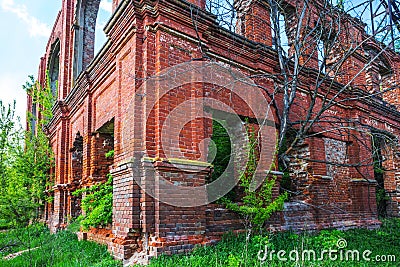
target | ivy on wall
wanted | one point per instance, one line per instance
(256, 206)
(97, 204)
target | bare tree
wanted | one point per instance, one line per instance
(333, 56)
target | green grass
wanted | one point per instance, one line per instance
(233, 250)
(4, 224)
(61, 250)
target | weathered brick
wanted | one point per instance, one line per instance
(108, 92)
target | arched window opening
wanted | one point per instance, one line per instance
(54, 67)
(102, 19)
(384, 74)
(383, 149)
(90, 19)
(378, 71)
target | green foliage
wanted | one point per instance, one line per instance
(220, 149)
(10, 148)
(327, 239)
(381, 195)
(61, 249)
(43, 97)
(110, 154)
(233, 250)
(97, 204)
(75, 224)
(258, 205)
(4, 224)
(16, 191)
(23, 238)
(233, 261)
(339, 4)
(26, 159)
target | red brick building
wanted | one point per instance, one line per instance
(104, 103)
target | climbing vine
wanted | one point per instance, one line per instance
(96, 204)
(258, 205)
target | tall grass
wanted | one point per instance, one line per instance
(64, 250)
(234, 251)
(59, 250)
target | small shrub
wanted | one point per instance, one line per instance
(97, 204)
(257, 204)
(110, 154)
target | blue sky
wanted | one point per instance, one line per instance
(26, 26)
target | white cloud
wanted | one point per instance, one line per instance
(106, 5)
(35, 27)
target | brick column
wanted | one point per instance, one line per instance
(199, 3)
(178, 228)
(391, 180)
(99, 166)
(363, 206)
(126, 212)
(254, 21)
(395, 198)
(60, 208)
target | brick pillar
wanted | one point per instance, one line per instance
(178, 228)
(391, 180)
(393, 96)
(362, 193)
(372, 78)
(126, 212)
(394, 209)
(143, 225)
(254, 21)
(99, 165)
(349, 37)
(60, 204)
(199, 3)
(75, 181)
(299, 170)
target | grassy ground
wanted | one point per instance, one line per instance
(234, 251)
(62, 249)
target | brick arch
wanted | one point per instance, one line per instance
(86, 12)
(383, 57)
(379, 73)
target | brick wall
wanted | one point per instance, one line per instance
(146, 38)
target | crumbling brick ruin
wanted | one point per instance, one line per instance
(99, 96)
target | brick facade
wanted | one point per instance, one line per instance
(101, 106)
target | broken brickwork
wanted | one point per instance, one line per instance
(145, 37)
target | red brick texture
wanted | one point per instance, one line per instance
(145, 38)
